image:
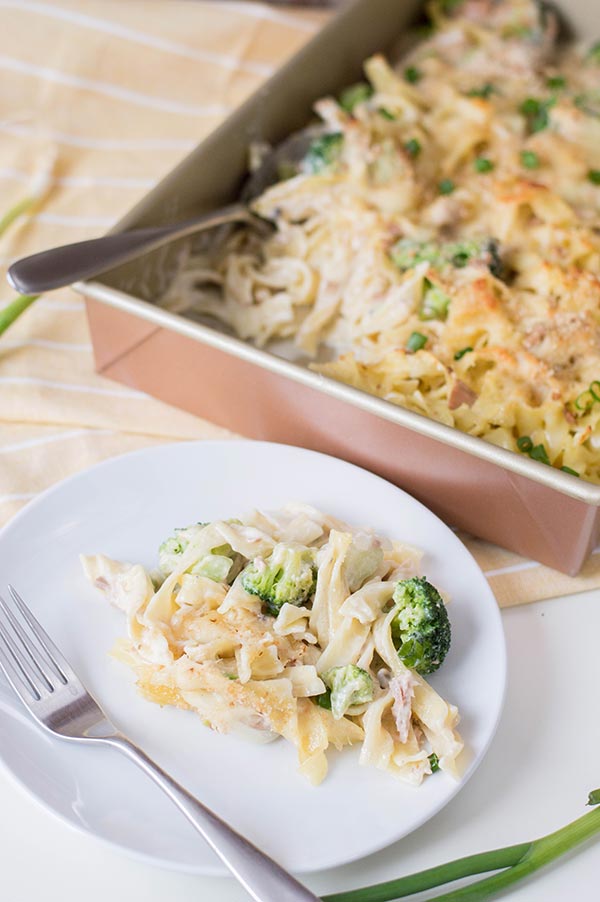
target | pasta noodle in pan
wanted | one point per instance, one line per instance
(439, 246)
(293, 624)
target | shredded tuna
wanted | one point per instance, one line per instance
(461, 394)
(401, 688)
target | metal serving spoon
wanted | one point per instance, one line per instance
(69, 263)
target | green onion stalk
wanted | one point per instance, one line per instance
(40, 187)
(14, 310)
(511, 864)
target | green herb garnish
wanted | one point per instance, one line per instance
(446, 186)
(483, 165)
(434, 762)
(460, 354)
(386, 114)
(594, 176)
(530, 159)
(416, 341)
(556, 82)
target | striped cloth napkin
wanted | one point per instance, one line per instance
(100, 99)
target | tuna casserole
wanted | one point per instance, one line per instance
(293, 623)
(439, 245)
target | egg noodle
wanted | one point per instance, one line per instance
(324, 672)
(440, 245)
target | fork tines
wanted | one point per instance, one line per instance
(29, 659)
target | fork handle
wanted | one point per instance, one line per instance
(261, 877)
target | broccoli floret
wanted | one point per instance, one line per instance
(323, 153)
(408, 253)
(221, 564)
(420, 628)
(349, 685)
(288, 575)
(354, 95)
(172, 548)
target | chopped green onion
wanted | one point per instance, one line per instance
(579, 402)
(231, 676)
(412, 75)
(461, 259)
(594, 176)
(446, 186)
(556, 82)
(530, 159)
(538, 452)
(536, 113)
(355, 94)
(483, 165)
(434, 762)
(323, 700)
(460, 354)
(595, 390)
(323, 153)
(571, 473)
(413, 148)
(485, 91)
(416, 341)
(435, 302)
(594, 797)
(386, 114)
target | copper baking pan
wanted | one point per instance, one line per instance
(487, 491)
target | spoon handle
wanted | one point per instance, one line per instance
(64, 265)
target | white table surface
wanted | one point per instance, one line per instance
(535, 778)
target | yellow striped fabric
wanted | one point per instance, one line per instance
(115, 92)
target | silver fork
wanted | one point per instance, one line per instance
(51, 690)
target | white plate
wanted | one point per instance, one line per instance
(124, 508)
